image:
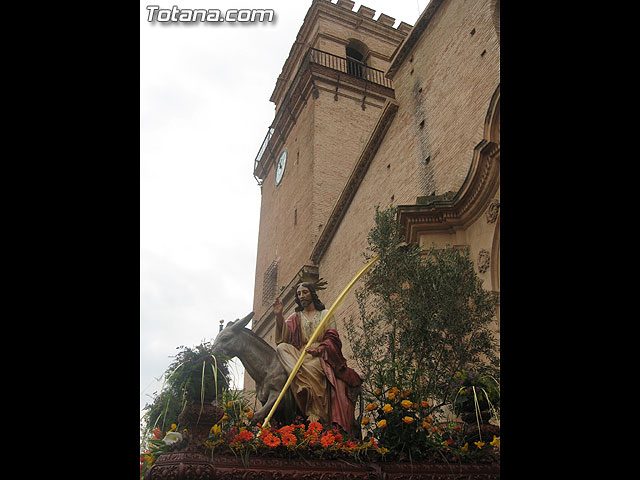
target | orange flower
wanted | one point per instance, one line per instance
(387, 408)
(406, 403)
(327, 439)
(270, 440)
(426, 425)
(371, 407)
(288, 439)
(406, 393)
(314, 427)
(391, 395)
(407, 420)
(424, 404)
(243, 436)
(249, 415)
(382, 423)
(365, 421)
(377, 391)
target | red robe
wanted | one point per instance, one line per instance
(334, 365)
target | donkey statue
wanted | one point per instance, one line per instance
(260, 361)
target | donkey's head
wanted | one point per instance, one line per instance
(229, 342)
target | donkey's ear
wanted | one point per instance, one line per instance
(242, 323)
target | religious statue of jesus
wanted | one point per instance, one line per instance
(321, 386)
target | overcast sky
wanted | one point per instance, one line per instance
(204, 111)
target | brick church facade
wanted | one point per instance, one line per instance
(371, 114)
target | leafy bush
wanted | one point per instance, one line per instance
(423, 316)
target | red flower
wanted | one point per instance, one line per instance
(243, 436)
(288, 439)
(270, 440)
(327, 439)
(286, 429)
(314, 428)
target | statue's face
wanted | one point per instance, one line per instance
(304, 295)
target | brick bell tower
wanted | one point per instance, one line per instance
(328, 98)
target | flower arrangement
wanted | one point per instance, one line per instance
(398, 429)
(172, 440)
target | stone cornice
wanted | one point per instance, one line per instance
(466, 206)
(405, 48)
(354, 181)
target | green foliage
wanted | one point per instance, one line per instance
(473, 392)
(422, 318)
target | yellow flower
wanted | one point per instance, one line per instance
(173, 427)
(465, 447)
(365, 421)
(393, 392)
(407, 420)
(216, 430)
(382, 423)
(495, 442)
(406, 403)
(230, 404)
(371, 407)
(387, 408)
(479, 444)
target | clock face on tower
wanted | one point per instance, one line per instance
(282, 162)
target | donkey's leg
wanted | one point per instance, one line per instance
(266, 408)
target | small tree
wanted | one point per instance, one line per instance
(422, 317)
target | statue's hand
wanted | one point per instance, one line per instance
(277, 306)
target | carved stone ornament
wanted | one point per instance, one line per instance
(484, 260)
(492, 211)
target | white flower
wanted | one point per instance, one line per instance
(172, 437)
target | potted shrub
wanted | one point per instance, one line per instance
(475, 398)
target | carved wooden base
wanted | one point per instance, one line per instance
(187, 466)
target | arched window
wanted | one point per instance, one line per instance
(356, 53)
